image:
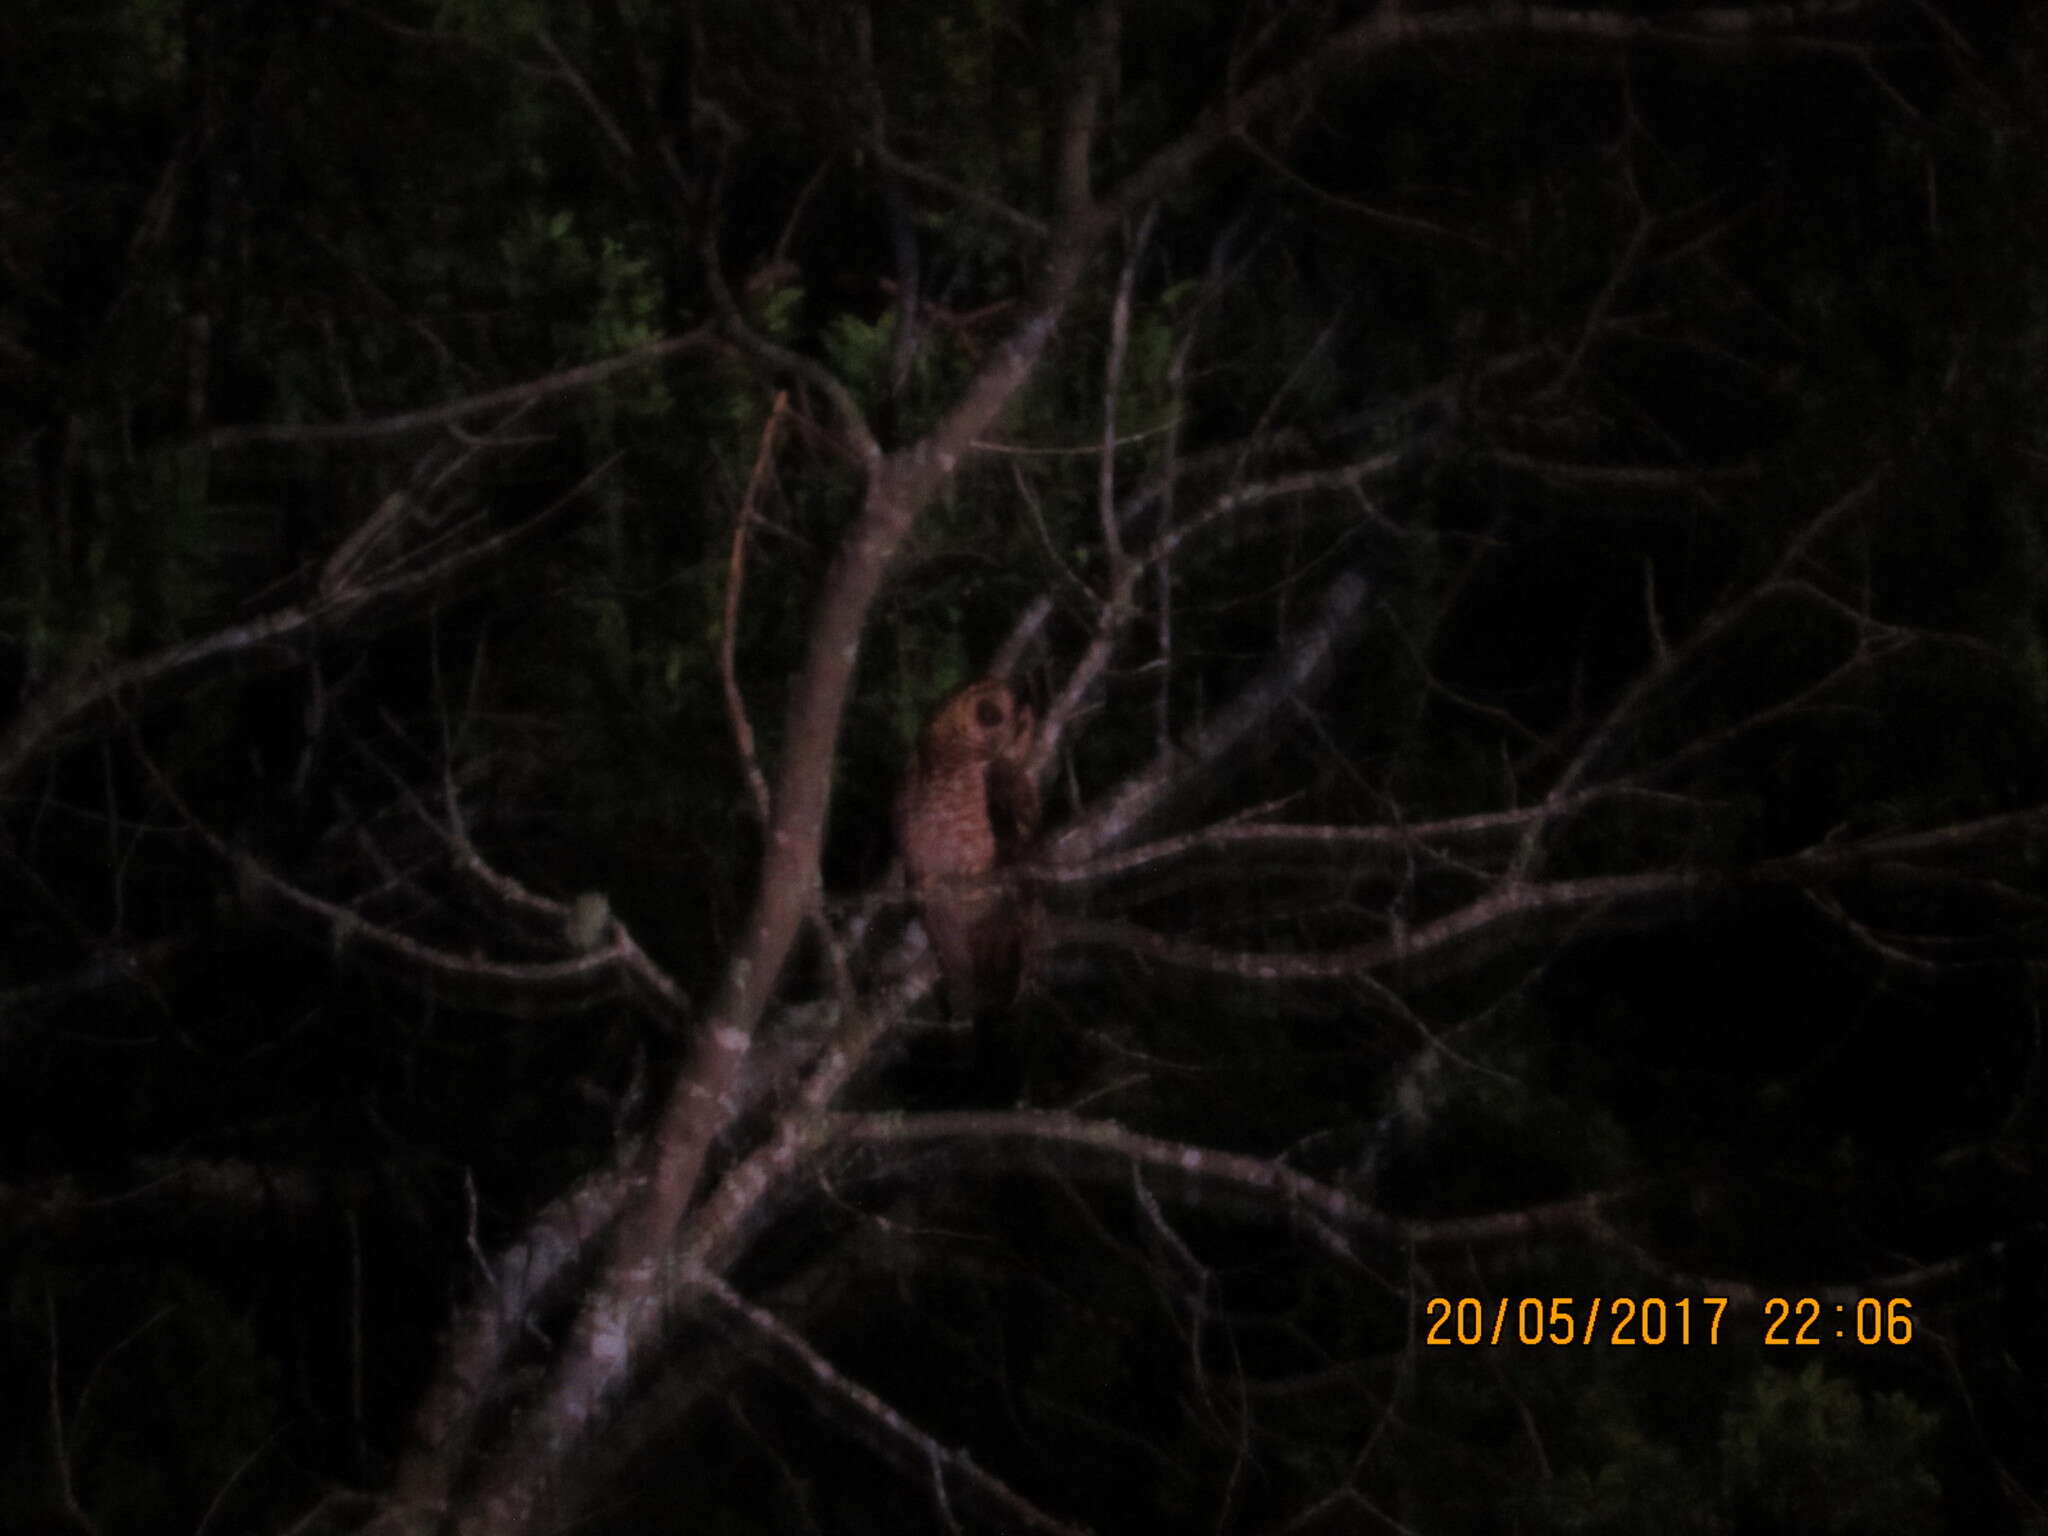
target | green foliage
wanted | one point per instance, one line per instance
(1812, 1453)
(1647, 1486)
(859, 350)
(780, 311)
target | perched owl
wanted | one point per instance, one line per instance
(967, 807)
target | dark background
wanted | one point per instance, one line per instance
(1627, 315)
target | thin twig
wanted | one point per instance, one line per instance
(735, 585)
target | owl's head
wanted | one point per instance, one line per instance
(980, 723)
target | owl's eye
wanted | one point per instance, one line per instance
(989, 713)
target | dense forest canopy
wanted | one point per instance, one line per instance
(1514, 539)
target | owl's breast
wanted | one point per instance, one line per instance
(942, 825)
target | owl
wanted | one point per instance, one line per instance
(967, 808)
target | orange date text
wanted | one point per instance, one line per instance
(1628, 1321)
(1621, 1321)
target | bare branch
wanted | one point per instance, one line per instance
(580, 87)
(72, 697)
(166, 1195)
(880, 1425)
(448, 413)
(1669, 661)
(1294, 672)
(524, 1276)
(1387, 28)
(623, 1303)
(728, 634)
(1112, 385)
(968, 197)
(1389, 842)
